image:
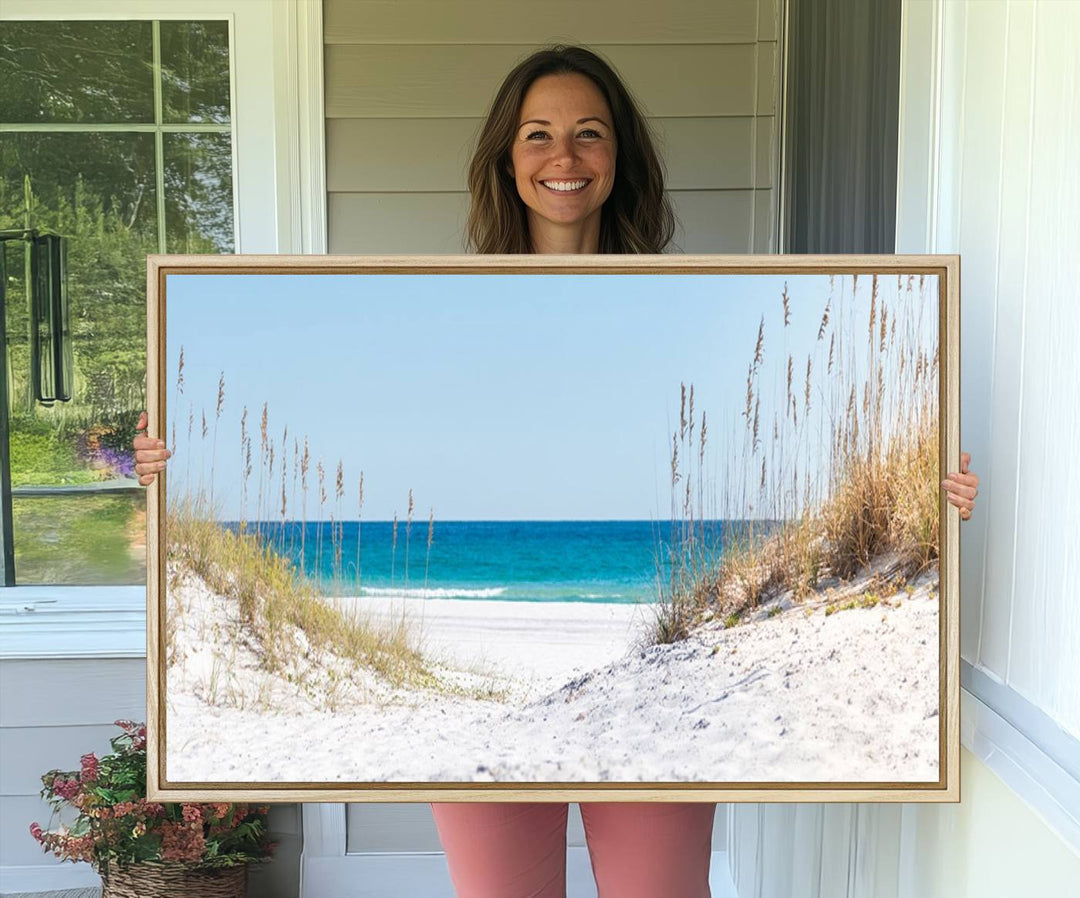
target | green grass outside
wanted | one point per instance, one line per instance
(80, 540)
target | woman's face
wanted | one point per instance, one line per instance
(563, 154)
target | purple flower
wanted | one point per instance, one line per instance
(119, 461)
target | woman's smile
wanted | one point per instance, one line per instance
(574, 186)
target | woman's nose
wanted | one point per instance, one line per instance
(564, 149)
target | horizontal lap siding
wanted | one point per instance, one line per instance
(53, 712)
(383, 155)
(408, 83)
(524, 22)
(460, 81)
(28, 751)
(75, 692)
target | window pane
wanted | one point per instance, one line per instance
(81, 540)
(98, 191)
(195, 71)
(198, 193)
(76, 72)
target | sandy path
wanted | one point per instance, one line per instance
(851, 696)
(542, 644)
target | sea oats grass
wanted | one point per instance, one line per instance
(865, 422)
(277, 598)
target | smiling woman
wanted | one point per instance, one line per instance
(563, 116)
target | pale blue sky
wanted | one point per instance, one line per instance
(491, 396)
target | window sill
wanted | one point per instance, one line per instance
(73, 622)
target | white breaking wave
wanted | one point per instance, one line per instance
(447, 593)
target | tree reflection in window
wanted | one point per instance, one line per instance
(117, 135)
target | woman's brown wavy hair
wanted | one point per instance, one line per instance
(637, 216)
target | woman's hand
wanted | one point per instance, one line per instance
(150, 454)
(962, 488)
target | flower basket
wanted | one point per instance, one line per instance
(143, 848)
(173, 880)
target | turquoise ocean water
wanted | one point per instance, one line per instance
(526, 561)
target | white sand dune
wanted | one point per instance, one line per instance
(852, 696)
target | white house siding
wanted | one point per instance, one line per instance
(989, 130)
(407, 86)
(54, 711)
(1007, 199)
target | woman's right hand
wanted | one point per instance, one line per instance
(150, 454)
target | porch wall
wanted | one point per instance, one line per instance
(408, 83)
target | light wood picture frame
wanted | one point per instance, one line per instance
(553, 528)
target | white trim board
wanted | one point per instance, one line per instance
(1044, 785)
(301, 126)
(38, 622)
(1040, 729)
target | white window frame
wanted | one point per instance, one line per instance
(279, 206)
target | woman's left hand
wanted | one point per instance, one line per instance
(962, 488)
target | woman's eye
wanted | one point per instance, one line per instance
(588, 132)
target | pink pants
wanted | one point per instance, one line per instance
(518, 849)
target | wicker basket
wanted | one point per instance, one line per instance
(172, 880)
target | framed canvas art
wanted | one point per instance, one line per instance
(451, 528)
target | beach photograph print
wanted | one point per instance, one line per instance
(550, 528)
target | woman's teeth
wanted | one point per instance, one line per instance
(564, 186)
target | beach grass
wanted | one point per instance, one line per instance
(277, 599)
(872, 496)
(272, 598)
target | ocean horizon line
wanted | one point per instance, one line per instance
(424, 520)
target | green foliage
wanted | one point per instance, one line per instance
(99, 190)
(42, 458)
(106, 282)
